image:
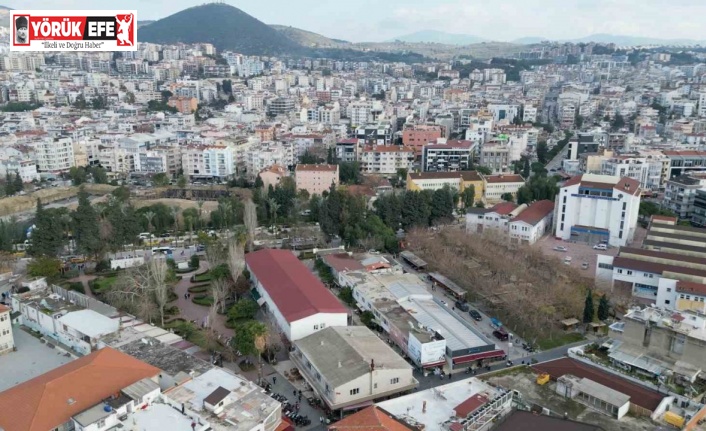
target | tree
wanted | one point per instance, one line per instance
(78, 175)
(603, 308)
(149, 215)
(157, 279)
(308, 158)
(542, 152)
(349, 173)
(507, 197)
(85, 226)
(194, 261)
(181, 182)
(274, 208)
(44, 266)
(130, 97)
(468, 196)
(442, 205)
(160, 179)
(122, 193)
(617, 123)
(484, 170)
(588, 310)
(99, 174)
(18, 183)
(244, 309)
(48, 234)
(250, 339)
(250, 220)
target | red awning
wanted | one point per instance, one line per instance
(433, 364)
(476, 356)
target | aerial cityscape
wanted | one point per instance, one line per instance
(209, 222)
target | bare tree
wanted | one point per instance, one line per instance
(220, 288)
(250, 220)
(273, 339)
(236, 259)
(211, 333)
(274, 208)
(149, 215)
(143, 290)
(175, 214)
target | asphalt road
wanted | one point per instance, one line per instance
(512, 347)
(555, 163)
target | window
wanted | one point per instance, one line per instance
(620, 271)
(394, 381)
(323, 325)
(669, 289)
(667, 301)
(625, 206)
(355, 391)
(316, 327)
(629, 272)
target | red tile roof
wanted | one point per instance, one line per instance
(535, 212)
(372, 418)
(470, 405)
(342, 262)
(691, 287)
(664, 218)
(502, 178)
(4, 308)
(503, 208)
(639, 395)
(50, 400)
(296, 292)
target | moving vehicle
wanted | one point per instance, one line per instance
(501, 334)
(561, 248)
(475, 315)
(463, 306)
(162, 250)
(600, 247)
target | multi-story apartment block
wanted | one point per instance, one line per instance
(375, 134)
(185, 105)
(7, 341)
(417, 136)
(680, 193)
(257, 159)
(316, 179)
(598, 208)
(647, 172)
(210, 161)
(360, 112)
(347, 150)
(496, 156)
(698, 217)
(55, 155)
(683, 162)
(451, 156)
(386, 159)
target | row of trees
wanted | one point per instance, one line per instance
(79, 175)
(13, 184)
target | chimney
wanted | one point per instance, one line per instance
(424, 406)
(372, 365)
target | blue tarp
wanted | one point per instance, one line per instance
(495, 322)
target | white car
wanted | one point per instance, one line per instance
(561, 248)
(600, 247)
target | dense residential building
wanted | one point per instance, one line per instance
(7, 341)
(316, 179)
(449, 156)
(698, 217)
(496, 156)
(300, 304)
(684, 162)
(272, 176)
(417, 136)
(185, 105)
(386, 159)
(351, 365)
(55, 155)
(212, 161)
(598, 209)
(680, 193)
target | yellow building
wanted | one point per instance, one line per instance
(418, 181)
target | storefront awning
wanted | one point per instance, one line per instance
(433, 364)
(477, 356)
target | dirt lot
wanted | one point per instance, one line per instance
(523, 380)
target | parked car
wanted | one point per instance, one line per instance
(475, 315)
(561, 248)
(501, 334)
(600, 247)
(463, 306)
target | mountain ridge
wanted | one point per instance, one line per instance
(435, 36)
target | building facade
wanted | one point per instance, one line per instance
(316, 179)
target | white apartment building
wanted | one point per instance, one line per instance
(117, 160)
(496, 156)
(360, 112)
(55, 155)
(386, 159)
(210, 161)
(598, 208)
(529, 114)
(266, 155)
(680, 193)
(7, 341)
(702, 105)
(647, 172)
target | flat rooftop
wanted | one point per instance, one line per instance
(32, 358)
(160, 417)
(440, 402)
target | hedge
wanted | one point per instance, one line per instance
(198, 289)
(202, 300)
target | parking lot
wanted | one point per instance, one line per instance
(579, 253)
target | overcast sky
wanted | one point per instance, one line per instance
(378, 20)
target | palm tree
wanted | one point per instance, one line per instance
(225, 209)
(149, 215)
(200, 205)
(274, 207)
(175, 214)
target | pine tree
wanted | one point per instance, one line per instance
(48, 233)
(588, 310)
(9, 185)
(19, 185)
(603, 308)
(85, 226)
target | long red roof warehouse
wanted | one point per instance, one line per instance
(296, 292)
(639, 395)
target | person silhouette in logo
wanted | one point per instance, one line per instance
(124, 29)
(21, 24)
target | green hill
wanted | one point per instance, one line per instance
(309, 39)
(224, 26)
